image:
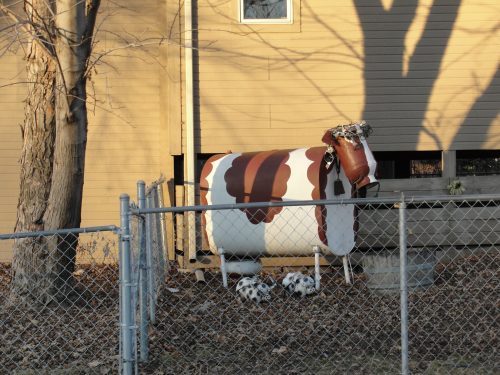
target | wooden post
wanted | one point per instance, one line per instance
(180, 225)
(449, 163)
(169, 201)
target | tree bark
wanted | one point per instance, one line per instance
(53, 155)
(30, 265)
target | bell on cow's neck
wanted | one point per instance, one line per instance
(338, 186)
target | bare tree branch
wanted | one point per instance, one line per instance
(14, 17)
(29, 27)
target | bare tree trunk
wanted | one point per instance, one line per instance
(53, 158)
(30, 265)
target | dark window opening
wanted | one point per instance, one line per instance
(179, 169)
(478, 162)
(408, 164)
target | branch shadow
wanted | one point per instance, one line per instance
(386, 90)
(490, 95)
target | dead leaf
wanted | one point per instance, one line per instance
(94, 364)
(280, 350)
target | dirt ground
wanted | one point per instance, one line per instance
(202, 328)
(454, 327)
(78, 336)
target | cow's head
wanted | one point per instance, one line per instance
(351, 148)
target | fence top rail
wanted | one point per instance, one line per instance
(452, 198)
(45, 233)
(357, 201)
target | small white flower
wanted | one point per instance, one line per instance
(456, 187)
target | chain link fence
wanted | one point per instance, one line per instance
(346, 314)
(59, 303)
(433, 311)
(148, 263)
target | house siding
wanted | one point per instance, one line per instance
(416, 74)
(11, 115)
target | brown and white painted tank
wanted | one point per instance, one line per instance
(280, 176)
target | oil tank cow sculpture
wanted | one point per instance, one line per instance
(345, 165)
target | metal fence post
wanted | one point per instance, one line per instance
(127, 359)
(149, 260)
(160, 240)
(143, 286)
(120, 312)
(403, 285)
(163, 224)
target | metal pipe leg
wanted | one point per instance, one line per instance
(346, 270)
(317, 274)
(223, 267)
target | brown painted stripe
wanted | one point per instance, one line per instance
(259, 177)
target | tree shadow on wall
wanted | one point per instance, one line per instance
(398, 83)
(485, 102)
(392, 93)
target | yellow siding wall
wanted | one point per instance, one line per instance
(12, 93)
(124, 132)
(413, 73)
(125, 139)
(11, 115)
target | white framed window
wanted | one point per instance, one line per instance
(266, 11)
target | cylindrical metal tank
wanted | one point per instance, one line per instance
(276, 176)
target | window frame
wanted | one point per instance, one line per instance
(266, 21)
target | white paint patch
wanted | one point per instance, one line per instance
(372, 163)
(339, 218)
(217, 193)
(299, 187)
(294, 230)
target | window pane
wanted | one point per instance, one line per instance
(425, 168)
(478, 162)
(265, 9)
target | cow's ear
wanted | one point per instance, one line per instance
(328, 137)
